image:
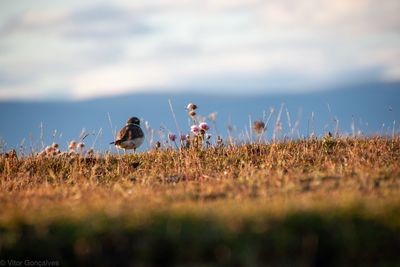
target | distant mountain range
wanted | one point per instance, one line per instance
(367, 109)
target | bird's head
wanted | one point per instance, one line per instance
(133, 120)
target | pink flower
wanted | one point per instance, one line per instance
(172, 137)
(204, 126)
(195, 129)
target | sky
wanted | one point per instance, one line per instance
(87, 49)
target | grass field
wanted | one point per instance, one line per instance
(314, 202)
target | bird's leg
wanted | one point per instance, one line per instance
(124, 152)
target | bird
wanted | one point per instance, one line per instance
(130, 136)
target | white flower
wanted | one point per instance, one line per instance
(213, 116)
(72, 145)
(81, 149)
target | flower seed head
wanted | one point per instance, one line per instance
(259, 127)
(81, 145)
(158, 144)
(191, 106)
(219, 141)
(72, 145)
(192, 113)
(54, 145)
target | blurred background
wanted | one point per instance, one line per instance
(312, 65)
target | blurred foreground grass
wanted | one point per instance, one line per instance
(330, 202)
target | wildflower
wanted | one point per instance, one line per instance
(213, 116)
(48, 150)
(204, 126)
(183, 137)
(208, 136)
(259, 127)
(219, 140)
(278, 126)
(158, 145)
(192, 113)
(195, 129)
(81, 149)
(55, 148)
(81, 145)
(72, 145)
(172, 137)
(191, 106)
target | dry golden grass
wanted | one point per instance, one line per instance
(328, 169)
(228, 185)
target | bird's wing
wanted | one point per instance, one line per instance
(129, 132)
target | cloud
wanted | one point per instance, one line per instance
(93, 22)
(125, 46)
(118, 79)
(100, 22)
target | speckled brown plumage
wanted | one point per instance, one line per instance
(129, 132)
(130, 136)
